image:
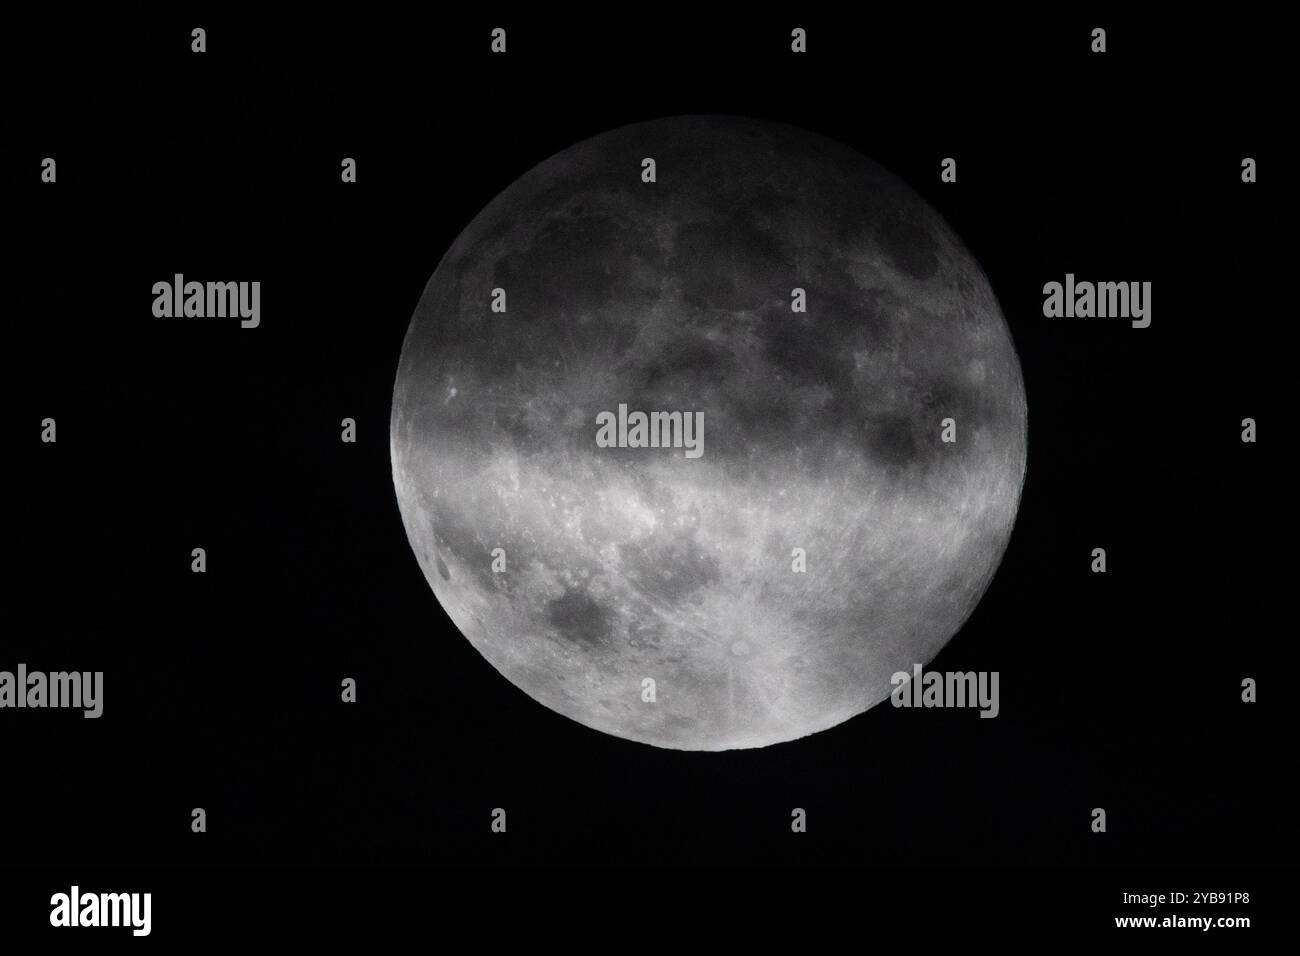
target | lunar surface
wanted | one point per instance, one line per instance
(827, 536)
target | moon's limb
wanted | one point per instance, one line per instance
(822, 433)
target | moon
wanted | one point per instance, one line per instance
(862, 457)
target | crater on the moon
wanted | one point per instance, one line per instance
(822, 433)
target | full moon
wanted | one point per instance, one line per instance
(861, 455)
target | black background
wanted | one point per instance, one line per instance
(222, 690)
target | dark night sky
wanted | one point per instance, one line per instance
(1119, 690)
